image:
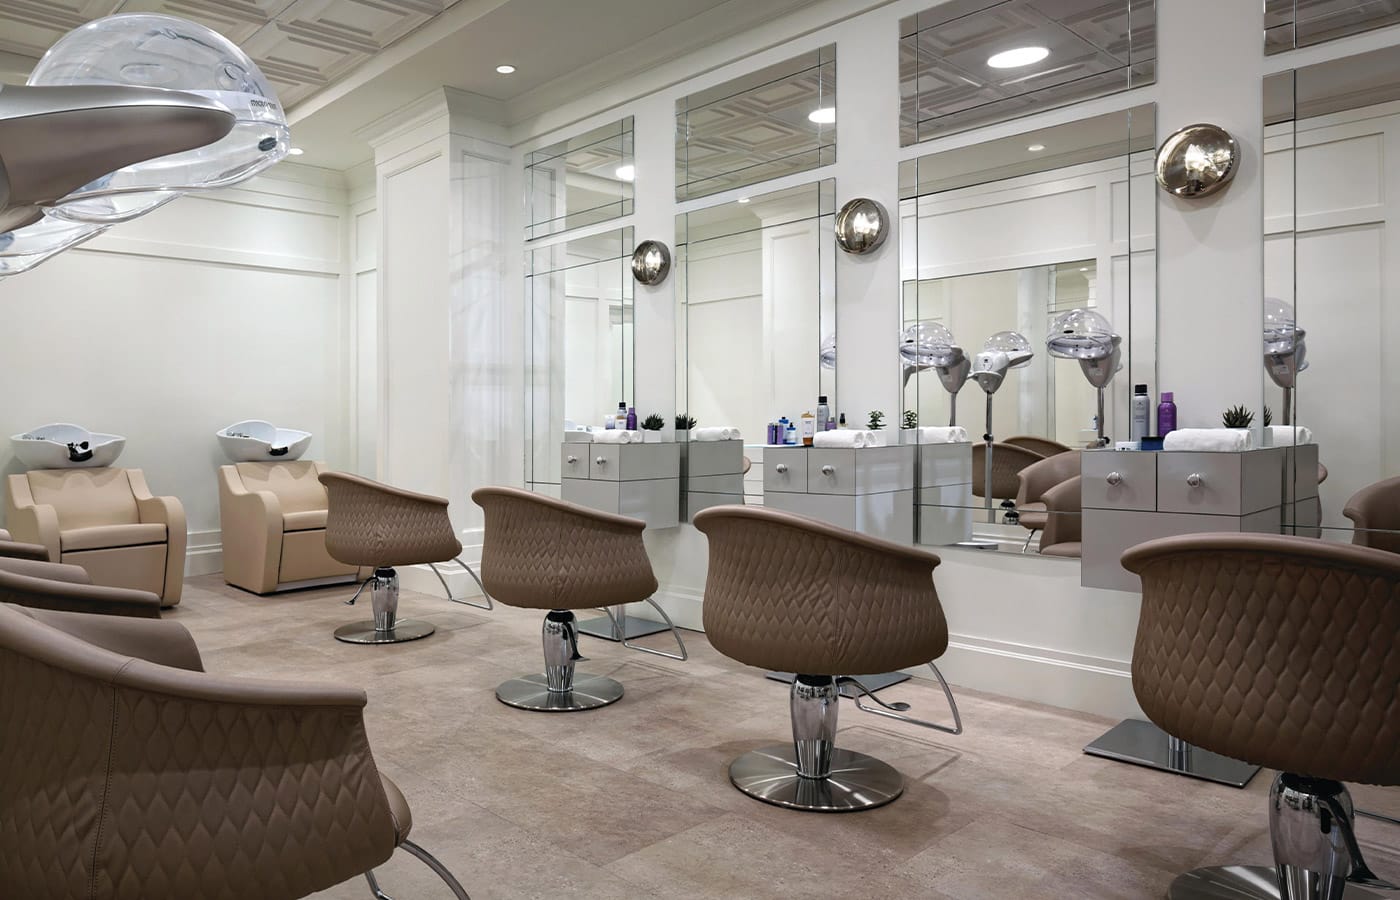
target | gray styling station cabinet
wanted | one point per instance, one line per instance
(712, 474)
(944, 496)
(638, 480)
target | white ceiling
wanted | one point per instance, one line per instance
(339, 65)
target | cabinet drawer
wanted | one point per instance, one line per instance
(943, 525)
(1222, 484)
(575, 460)
(656, 502)
(635, 462)
(1107, 533)
(835, 509)
(871, 470)
(714, 458)
(785, 470)
(1119, 479)
(941, 464)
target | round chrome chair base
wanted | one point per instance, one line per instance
(857, 781)
(403, 630)
(532, 692)
(1241, 883)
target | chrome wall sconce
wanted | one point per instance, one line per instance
(651, 261)
(1197, 161)
(862, 226)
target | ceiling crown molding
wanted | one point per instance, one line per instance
(467, 113)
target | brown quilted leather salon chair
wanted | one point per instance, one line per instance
(1007, 462)
(376, 526)
(1064, 519)
(1375, 512)
(131, 774)
(793, 594)
(45, 585)
(105, 520)
(1034, 480)
(1280, 651)
(1036, 444)
(272, 516)
(547, 554)
(13, 549)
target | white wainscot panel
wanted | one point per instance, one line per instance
(1343, 176)
(1004, 234)
(366, 240)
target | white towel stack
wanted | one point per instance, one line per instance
(1214, 440)
(617, 436)
(1287, 435)
(715, 433)
(942, 434)
(845, 438)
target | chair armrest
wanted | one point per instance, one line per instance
(21, 550)
(1064, 519)
(43, 569)
(250, 526)
(169, 512)
(30, 522)
(161, 642)
(46, 593)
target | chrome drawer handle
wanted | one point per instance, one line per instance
(780, 468)
(828, 470)
(1195, 479)
(1114, 478)
(602, 460)
(572, 460)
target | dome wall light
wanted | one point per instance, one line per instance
(1017, 57)
(1197, 161)
(651, 261)
(862, 226)
(824, 116)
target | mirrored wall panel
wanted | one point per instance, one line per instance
(1028, 304)
(777, 121)
(1299, 23)
(967, 63)
(579, 342)
(756, 318)
(582, 181)
(1331, 309)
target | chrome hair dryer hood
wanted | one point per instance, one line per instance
(1002, 352)
(1086, 336)
(1285, 350)
(929, 345)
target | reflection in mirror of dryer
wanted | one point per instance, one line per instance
(930, 345)
(1001, 352)
(66, 446)
(1285, 350)
(828, 351)
(1087, 336)
(254, 440)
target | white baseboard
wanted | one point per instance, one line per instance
(204, 553)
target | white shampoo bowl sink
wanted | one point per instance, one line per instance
(65, 446)
(254, 440)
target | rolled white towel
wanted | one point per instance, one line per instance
(942, 434)
(714, 433)
(1288, 435)
(1226, 440)
(617, 436)
(844, 438)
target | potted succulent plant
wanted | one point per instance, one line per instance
(651, 429)
(1237, 417)
(875, 423)
(683, 425)
(909, 427)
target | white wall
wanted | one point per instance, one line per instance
(215, 308)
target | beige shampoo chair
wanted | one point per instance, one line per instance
(273, 519)
(105, 520)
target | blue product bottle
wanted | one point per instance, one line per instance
(790, 434)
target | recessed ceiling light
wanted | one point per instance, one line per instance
(505, 69)
(1017, 57)
(1036, 148)
(626, 173)
(743, 199)
(824, 116)
(1083, 268)
(296, 151)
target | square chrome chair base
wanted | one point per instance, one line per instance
(850, 691)
(856, 782)
(532, 692)
(1144, 744)
(1241, 883)
(403, 630)
(632, 628)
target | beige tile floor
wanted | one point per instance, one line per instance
(633, 800)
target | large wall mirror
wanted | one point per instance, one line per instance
(777, 121)
(756, 294)
(967, 63)
(1332, 266)
(580, 181)
(1028, 309)
(1300, 23)
(580, 343)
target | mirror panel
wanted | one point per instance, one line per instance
(579, 342)
(581, 181)
(1004, 245)
(954, 74)
(1332, 263)
(1301, 23)
(777, 121)
(756, 294)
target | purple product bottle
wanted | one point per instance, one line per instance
(631, 418)
(1166, 415)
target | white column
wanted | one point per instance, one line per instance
(1210, 252)
(654, 309)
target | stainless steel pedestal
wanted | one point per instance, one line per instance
(1242, 883)
(1144, 744)
(386, 627)
(850, 691)
(631, 627)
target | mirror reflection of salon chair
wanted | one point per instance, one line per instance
(1375, 513)
(1239, 655)
(1034, 481)
(930, 345)
(1063, 534)
(1285, 351)
(1086, 336)
(1042, 445)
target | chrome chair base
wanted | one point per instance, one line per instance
(428, 860)
(532, 692)
(1243, 883)
(848, 690)
(1144, 744)
(856, 781)
(403, 630)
